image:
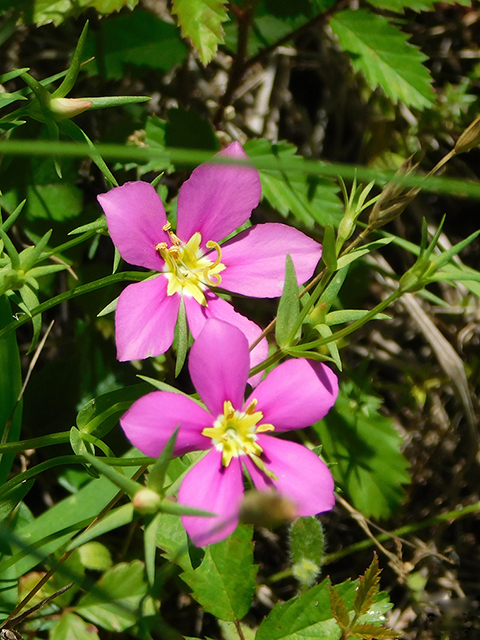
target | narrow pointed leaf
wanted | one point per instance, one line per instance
(288, 307)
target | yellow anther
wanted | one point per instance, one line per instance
(234, 433)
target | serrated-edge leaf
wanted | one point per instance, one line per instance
(339, 608)
(382, 53)
(224, 584)
(367, 587)
(201, 22)
(371, 632)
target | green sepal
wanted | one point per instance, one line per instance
(74, 132)
(12, 217)
(98, 225)
(31, 255)
(109, 308)
(445, 256)
(115, 101)
(181, 335)
(368, 248)
(350, 315)
(72, 73)
(150, 545)
(130, 487)
(11, 251)
(30, 301)
(286, 328)
(329, 254)
(325, 331)
(158, 471)
(331, 291)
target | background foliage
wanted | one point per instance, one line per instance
(325, 96)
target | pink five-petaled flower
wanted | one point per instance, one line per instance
(216, 200)
(294, 395)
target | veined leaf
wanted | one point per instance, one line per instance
(310, 616)
(224, 583)
(310, 199)
(366, 449)
(201, 22)
(382, 53)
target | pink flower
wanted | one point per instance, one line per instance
(294, 395)
(215, 201)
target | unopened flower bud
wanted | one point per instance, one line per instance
(305, 571)
(469, 138)
(266, 508)
(146, 501)
(64, 108)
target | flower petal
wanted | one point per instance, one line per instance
(255, 259)
(222, 310)
(215, 488)
(296, 394)
(145, 319)
(217, 198)
(152, 419)
(301, 475)
(219, 364)
(135, 219)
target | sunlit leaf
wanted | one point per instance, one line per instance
(382, 53)
(201, 21)
(366, 451)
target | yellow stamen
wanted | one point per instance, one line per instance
(188, 271)
(234, 433)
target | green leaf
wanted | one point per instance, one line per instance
(139, 38)
(157, 473)
(201, 22)
(150, 546)
(288, 307)
(350, 315)
(10, 387)
(306, 617)
(115, 600)
(382, 53)
(365, 451)
(95, 556)
(107, 6)
(367, 588)
(332, 290)
(329, 254)
(417, 5)
(116, 518)
(224, 584)
(339, 609)
(325, 331)
(359, 253)
(309, 198)
(72, 627)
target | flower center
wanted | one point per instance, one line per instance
(234, 433)
(187, 269)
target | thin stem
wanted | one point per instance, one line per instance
(403, 531)
(239, 629)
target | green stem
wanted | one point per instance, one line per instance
(403, 531)
(354, 326)
(35, 443)
(72, 243)
(39, 468)
(134, 276)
